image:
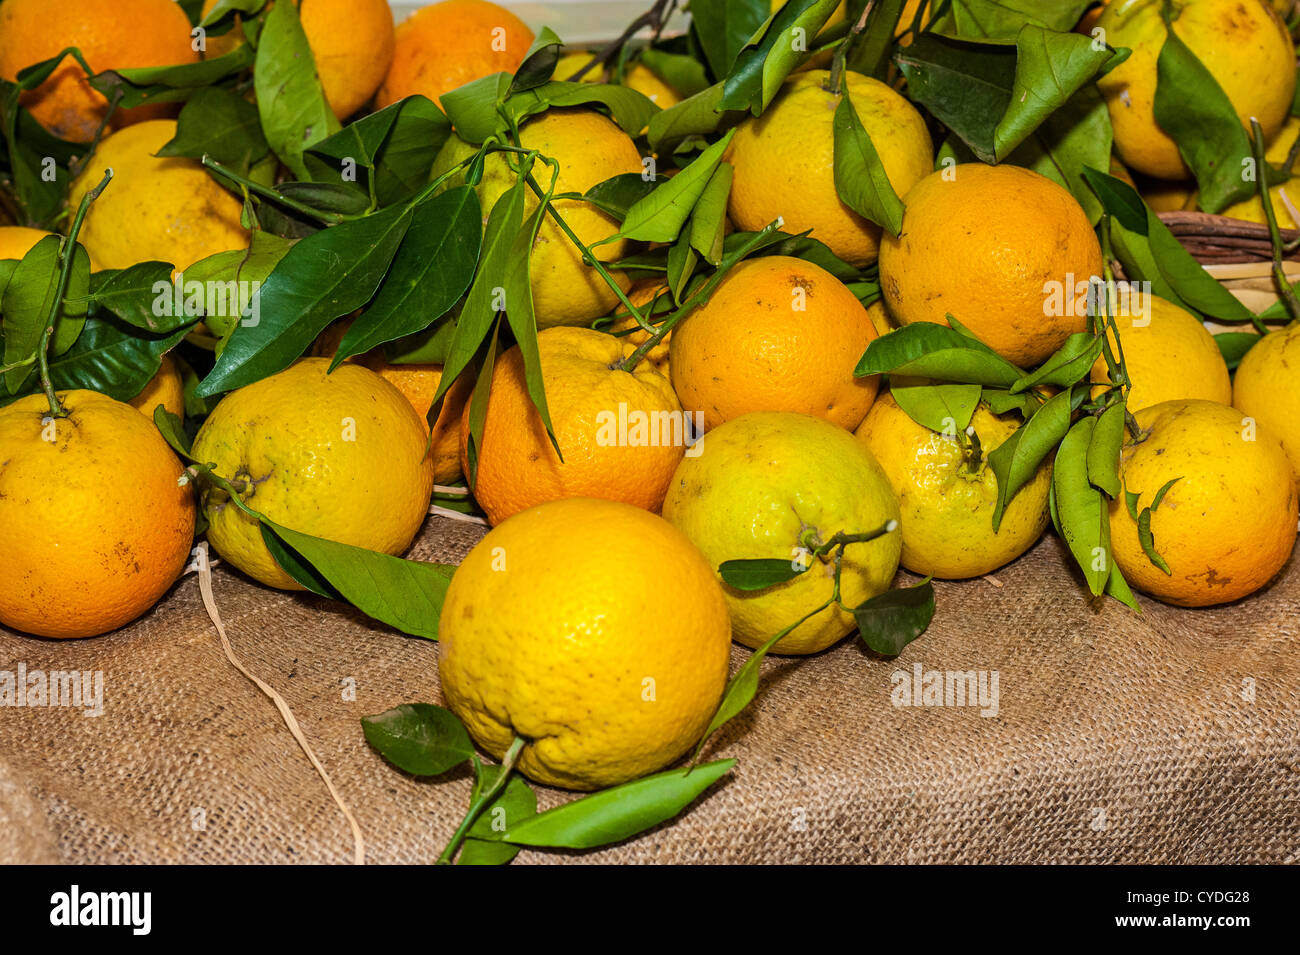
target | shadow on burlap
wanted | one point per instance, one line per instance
(1170, 737)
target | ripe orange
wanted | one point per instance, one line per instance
(125, 33)
(621, 433)
(1226, 526)
(94, 526)
(554, 628)
(784, 160)
(779, 334)
(1266, 387)
(642, 296)
(418, 383)
(1002, 249)
(448, 44)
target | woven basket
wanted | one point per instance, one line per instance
(1238, 254)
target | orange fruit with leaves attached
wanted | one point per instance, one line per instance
(621, 433)
(446, 45)
(110, 36)
(94, 523)
(1004, 250)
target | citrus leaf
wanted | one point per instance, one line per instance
(619, 193)
(869, 55)
(698, 115)
(1119, 199)
(1193, 109)
(169, 84)
(290, 101)
(222, 124)
(430, 271)
(630, 109)
(929, 350)
(29, 302)
(659, 216)
(1232, 345)
(472, 109)
(943, 408)
(860, 178)
(405, 594)
(419, 738)
(248, 268)
(1067, 366)
(709, 217)
(758, 573)
(322, 277)
(538, 64)
(1160, 494)
(1085, 520)
(515, 804)
(1148, 542)
(1104, 450)
(772, 52)
(1117, 587)
(724, 27)
(113, 357)
(890, 621)
(1017, 459)
(613, 815)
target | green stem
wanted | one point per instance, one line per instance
(266, 192)
(1285, 288)
(483, 801)
(841, 539)
(67, 255)
(842, 53)
(1116, 367)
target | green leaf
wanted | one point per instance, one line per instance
(222, 124)
(113, 357)
(1160, 494)
(539, 62)
(929, 350)
(1005, 18)
(1104, 450)
(244, 267)
(943, 408)
(1192, 108)
(290, 100)
(1119, 199)
(698, 115)
(472, 109)
(1085, 519)
(709, 217)
(659, 217)
(890, 621)
(860, 178)
(724, 27)
(419, 738)
(516, 804)
(1148, 542)
(1070, 363)
(405, 594)
(322, 277)
(613, 815)
(1050, 68)
(1232, 345)
(1001, 401)
(431, 270)
(630, 109)
(1117, 587)
(170, 84)
(1075, 136)
(29, 302)
(869, 55)
(771, 53)
(619, 193)
(133, 293)
(759, 573)
(1017, 459)
(683, 73)
(172, 428)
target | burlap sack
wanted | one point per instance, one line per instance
(1167, 737)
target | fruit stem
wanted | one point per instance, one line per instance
(483, 801)
(841, 55)
(266, 192)
(1275, 236)
(67, 254)
(655, 18)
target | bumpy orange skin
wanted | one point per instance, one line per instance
(94, 527)
(164, 388)
(352, 42)
(448, 44)
(517, 466)
(554, 628)
(988, 245)
(111, 36)
(779, 334)
(1227, 526)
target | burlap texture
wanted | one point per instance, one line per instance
(1119, 738)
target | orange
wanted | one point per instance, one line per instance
(448, 44)
(555, 629)
(779, 334)
(1267, 387)
(621, 433)
(418, 383)
(784, 160)
(167, 209)
(1242, 43)
(1168, 354)
(111, 36)
(340, 456)
(1004, 250)
(165, 389)
(16, 241)
(1226, 526)
(642, 296)
(94, 526)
